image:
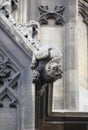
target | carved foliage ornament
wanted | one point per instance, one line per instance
(57, 14)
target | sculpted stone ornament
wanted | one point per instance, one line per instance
(46, 65)
(29, 30)
(56, 14)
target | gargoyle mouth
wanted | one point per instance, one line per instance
(59, 74)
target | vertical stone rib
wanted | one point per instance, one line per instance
(71, 58)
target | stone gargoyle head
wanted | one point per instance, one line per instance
(46, 65)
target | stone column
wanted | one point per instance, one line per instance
(70, 58)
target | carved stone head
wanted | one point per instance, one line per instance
(48, 66)
(54, 70)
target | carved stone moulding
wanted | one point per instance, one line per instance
(83, 10)
(46, 14)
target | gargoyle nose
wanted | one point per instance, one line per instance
(61, 72)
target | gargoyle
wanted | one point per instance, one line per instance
(46, 65)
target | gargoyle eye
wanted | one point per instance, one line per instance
(55, 68)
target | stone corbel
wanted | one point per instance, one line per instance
(46, 14)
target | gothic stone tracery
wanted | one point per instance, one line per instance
(57, 14)
(9, 76)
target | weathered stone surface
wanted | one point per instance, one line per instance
(20, 113)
